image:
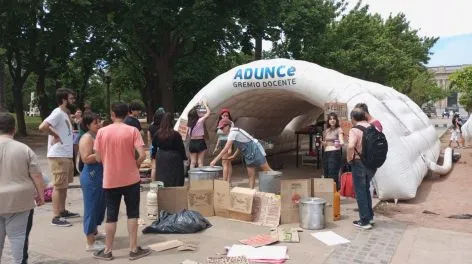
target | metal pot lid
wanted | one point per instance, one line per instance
(312, 200)
(211, 169)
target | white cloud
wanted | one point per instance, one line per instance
(436, 18)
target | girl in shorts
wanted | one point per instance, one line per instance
(220, 144)
(197, 145)
(251, 149)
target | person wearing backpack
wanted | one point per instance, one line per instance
(367, 151)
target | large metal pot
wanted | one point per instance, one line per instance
(205, 173)
(312, 213)
(269, 181)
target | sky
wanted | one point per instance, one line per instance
(451, 20)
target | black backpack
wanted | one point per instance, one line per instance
(374, 147)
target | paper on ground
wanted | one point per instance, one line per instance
(266, 252)
(330, 238)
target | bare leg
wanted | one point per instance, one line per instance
(230, 170)
(90, 239)
(251, 172)
(266, 167)
(59, 201)
(133, 234)
(110, 236)
(224, 163)
(201, 158)
(193, 160)
(153, 170)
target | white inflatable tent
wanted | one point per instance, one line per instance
(273, 98)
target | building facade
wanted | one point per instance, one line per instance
(441, 74)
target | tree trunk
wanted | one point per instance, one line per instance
(258, 48)
(2, 86)
(20, 114)
(165, 83)
(42, 96)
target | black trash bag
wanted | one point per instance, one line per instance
(184, 222)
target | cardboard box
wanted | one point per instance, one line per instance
(221, 198)
(323, 186)
(291, 193)
(241, 200)
(172, 199)
(240, 216)
(201, 201)
(201, 185)
(266, 209)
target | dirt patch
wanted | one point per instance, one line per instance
(445, 196)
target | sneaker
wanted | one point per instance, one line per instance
(96, 246)
(359, 224)
(59, 221)
(102, 255)
(139, 253)
(67, 214)
(100, 236)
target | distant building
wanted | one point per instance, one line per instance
(441, 74)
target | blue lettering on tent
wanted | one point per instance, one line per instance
(261, 73)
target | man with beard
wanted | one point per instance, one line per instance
(60, 153)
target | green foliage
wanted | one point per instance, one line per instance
(461, 81)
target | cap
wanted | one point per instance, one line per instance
(224, 110)
(224, 122)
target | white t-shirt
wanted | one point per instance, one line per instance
(60, 121)
(237, 134)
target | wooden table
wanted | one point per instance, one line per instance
(310, 131)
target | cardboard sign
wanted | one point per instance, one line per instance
(172, 199)
(266, 209)
(325, 188)
(201, 201)
(339, 109)
(183, 128)
(323, 185)
(291, 193)
(241, 200)
(345, 125)
(221, 198)
(287, 235)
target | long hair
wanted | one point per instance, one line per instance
(87, 120)
(192, 118)
(166, 128)
(335, 116)
(221, 117)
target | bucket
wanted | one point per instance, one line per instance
(312, 213)
(269, 181)
(205, 173)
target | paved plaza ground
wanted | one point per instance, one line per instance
(403, 234)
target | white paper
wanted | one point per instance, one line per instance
(330, 238)
(266, 252)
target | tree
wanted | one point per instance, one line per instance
(424, 89)
(18, 38)
(461, 81)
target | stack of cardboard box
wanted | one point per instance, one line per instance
(215, 197)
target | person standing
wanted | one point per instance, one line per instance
(115, 147)
(197, 145)
(333, 140)
(60, 154)
(361, 175)
(91, 181)
(21, 184)
(170, 153)
(156, 123)
(132, 119)
(376, 123)
(220, 144)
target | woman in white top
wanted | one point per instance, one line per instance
(251, 149)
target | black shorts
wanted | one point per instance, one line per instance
(131, 194)
(197, 145)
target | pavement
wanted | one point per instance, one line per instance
(390, 241)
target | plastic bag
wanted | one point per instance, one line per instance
(184, 222)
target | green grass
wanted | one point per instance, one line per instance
(32, 122)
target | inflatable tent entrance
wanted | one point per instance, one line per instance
(273, 98)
